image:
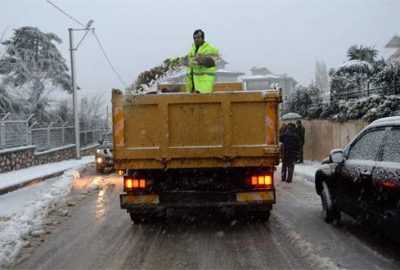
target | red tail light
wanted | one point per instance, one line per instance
(262, 181)
(134, 183)
(390, 185)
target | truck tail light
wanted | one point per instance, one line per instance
(133, 183)
(128, 184)
(262, 181)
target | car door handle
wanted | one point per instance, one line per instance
(365, 174)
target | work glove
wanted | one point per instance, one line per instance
(192, 62)
(206, 61)
(185, 61)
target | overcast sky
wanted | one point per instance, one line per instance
(286, 36)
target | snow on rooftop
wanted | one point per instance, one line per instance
(262, 77)
(394, 42)
(229, 72)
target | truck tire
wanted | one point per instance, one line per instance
(330, 212)
(262, 215)
(147, 217)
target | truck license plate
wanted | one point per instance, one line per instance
(139, 199)
(255, 196)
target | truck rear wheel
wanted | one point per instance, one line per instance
(262, 215)
(139, 218)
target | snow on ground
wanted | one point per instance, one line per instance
(307, 250)
(306, 170)
(20, 176)
(23, 211)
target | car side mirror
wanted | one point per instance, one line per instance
(336, 155)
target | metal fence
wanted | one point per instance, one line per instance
(15, 132)
(382, 91)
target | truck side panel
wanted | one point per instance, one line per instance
(181, 130)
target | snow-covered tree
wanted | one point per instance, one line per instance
(93, 112)
(64, 111)
(388, 77)
(7, 103)
(32, 67)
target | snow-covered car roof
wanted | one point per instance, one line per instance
(394, 120)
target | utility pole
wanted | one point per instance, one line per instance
(73, 79)
(75, 95)
(107, 120)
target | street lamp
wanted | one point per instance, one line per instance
(73, 75)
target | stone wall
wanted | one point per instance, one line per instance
(90, 150)
(55, 155)
(16, 158)
(24, 157)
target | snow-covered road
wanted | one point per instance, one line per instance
(90, 231)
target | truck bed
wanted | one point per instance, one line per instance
(180, 130)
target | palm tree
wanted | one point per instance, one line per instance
(367, 54)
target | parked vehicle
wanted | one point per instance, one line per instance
(104, 154)
(363, 180)
(197, 150)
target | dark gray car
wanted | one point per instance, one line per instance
(104, 155)
(363, 180)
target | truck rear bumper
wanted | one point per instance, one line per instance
(186, 199)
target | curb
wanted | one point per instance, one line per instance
(30, 182)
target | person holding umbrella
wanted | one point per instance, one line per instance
(290, 143)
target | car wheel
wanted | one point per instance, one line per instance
(330, 211)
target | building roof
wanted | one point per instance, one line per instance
(262, 77)
(219, 71)
(225, 71)
(394, 42)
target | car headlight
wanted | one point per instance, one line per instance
(99, 160)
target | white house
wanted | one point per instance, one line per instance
(394, 43)
(262, 78)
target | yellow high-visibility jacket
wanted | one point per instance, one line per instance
(198, 77)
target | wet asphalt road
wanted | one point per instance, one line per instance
(97, 234)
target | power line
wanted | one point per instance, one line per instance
(108, 59)
(97, 39)
(65, 13)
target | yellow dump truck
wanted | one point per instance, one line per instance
(182, 150)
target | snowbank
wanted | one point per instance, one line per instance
(27, 215)
(20, 176)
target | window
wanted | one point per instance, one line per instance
(391, 149)
(367, 147)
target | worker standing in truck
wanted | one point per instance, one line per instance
(201, 65)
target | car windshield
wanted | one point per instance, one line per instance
(108, 138)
